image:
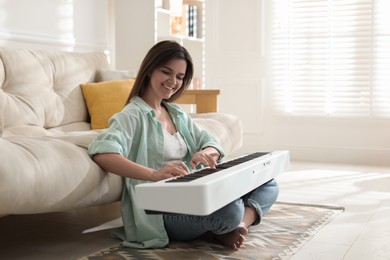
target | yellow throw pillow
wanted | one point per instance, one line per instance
(104, 99)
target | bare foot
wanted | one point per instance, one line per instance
(235, 238)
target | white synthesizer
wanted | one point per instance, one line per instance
(207, 190)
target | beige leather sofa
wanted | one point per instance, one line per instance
(45, 131)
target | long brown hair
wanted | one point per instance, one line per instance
(159, 55)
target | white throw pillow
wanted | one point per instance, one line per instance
(107, 75)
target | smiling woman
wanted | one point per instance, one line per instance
(152, 139)
(158, 58)
(164, 82)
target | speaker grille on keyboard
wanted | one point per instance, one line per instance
(222, 166)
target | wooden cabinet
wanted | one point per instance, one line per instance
(204, 99)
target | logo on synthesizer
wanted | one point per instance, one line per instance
(267, 163)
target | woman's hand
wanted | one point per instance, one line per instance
(208, 159)
(170, 170)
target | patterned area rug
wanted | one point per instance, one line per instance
(283, 231)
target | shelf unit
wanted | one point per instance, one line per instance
(171, 24)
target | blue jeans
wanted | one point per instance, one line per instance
(224, 220)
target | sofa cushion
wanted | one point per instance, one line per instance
(104, 99)
(226, 128)
(46, 174)
(53, 77)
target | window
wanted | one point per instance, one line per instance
(331, 58)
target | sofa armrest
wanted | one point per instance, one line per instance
(204, 99)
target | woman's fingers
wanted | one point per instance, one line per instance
(212, 160)
(182, 165)
(206, 159)
(176, 169)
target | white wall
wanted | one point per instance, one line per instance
(134, 32)
(238, 62)
(235, 59)
(57, 24)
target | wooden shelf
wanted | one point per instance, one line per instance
(204, 99)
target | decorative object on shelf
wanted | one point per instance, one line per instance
(184, 19)
(177, 27)
(177, 21)
(191, 12)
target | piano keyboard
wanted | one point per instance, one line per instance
(207, 190)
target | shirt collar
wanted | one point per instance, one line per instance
(173, 109)
(145, 108)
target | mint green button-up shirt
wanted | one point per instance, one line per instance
(136, 134)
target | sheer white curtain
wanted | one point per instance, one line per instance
(331, 58)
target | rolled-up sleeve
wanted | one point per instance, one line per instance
(115, 139)
(108, 142)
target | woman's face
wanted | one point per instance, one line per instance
(165, 81)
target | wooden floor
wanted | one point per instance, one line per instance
(55, 235)
(362, 231)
